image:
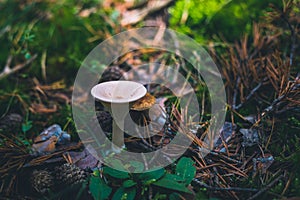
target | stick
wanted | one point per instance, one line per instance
(224, 189)
(235, 93)
(7, 70)
(266, 188)
(135, 16)
(249, 96)
(252, 92)
(293, 38)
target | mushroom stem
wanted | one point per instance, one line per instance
(118, 112)
(117, 136)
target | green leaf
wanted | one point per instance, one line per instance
(138, 166)
(159, 196)
(27, 55)
(129, 183)
(152, 175)
(174, 177)
(26, 126)
(115, 163)
(115, 173)
(174, 196)
(98, 189)
(201, 195)
(171, 185)
(96, 173)
(185, 169)
(124, 194)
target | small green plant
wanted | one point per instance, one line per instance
(205, 19)
(161, 184)
(26, 125)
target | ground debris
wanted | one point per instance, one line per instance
(46, 141)
(250, 137)
(86, 159)
(226, 133)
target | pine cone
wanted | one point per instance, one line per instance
(69, 174)
(112, 73)
(42, 181)
(105, 120)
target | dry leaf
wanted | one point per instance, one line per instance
(47, 146)
(41, 108)
(87, 159)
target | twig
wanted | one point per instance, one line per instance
(225, 157)
(224, 189)
(294, 87)
(8, 70)
(266, 188)
(5, 30)
(293, 38)
(135, 16)
(238, 80)
(8, 62)
(43, 65)
(274, 104)
(150, 192)
(253, 91)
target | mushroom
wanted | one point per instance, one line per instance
(117, 97)
(140, 109)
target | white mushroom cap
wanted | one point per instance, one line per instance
(119, 91)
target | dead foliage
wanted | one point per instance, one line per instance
(260, 73)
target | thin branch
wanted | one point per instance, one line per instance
(266, 188)
(293, 39)
(249, 96)
(134, 16)
(252, 92)
(8, 62)
(5, 30)
(224, 189)
(238, 81)
(277, 101)
(7, 70)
